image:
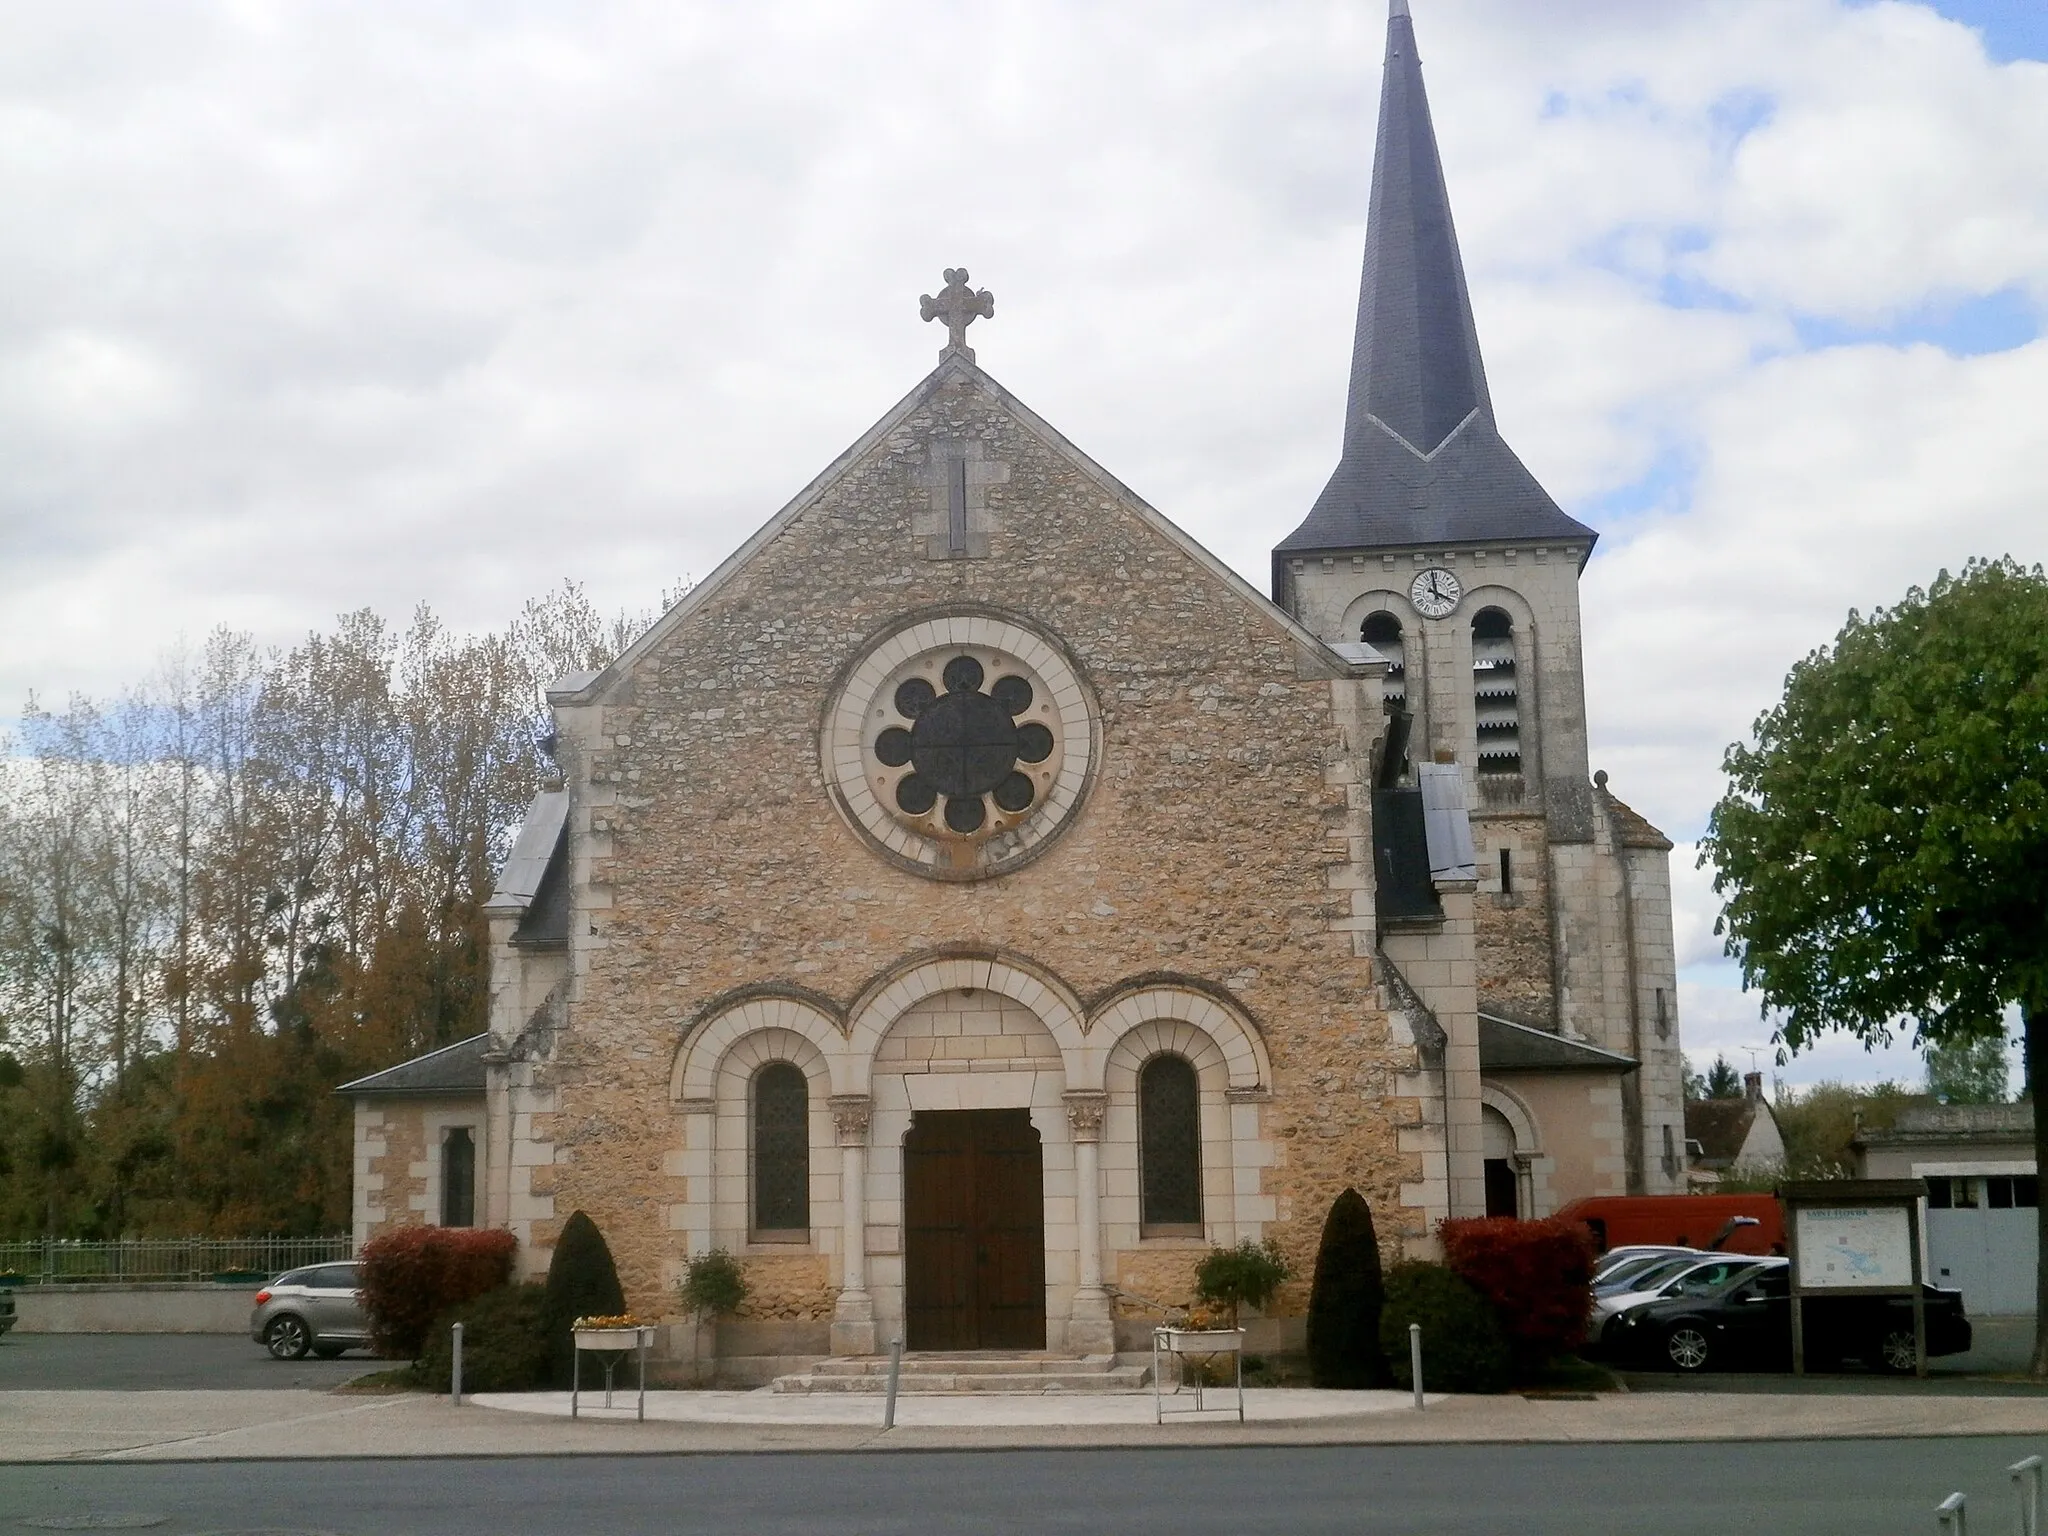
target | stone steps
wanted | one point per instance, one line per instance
(941, 1373)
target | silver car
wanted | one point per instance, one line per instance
(317, 1308)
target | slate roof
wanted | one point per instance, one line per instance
(1929, 1123)
(1631, 826)
(451, 1071)
(1423, 462)
(1505, 1046)
(1720, 1126)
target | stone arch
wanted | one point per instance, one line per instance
(1379, 599)
(694, 1075)
(1516, 1113)
(1236, 1039)
(890, 995)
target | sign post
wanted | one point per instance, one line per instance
(1855, 1237)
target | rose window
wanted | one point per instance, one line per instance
(964, 746)
(961, 756)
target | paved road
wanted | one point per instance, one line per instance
(1673, 1490)
(157, 1362)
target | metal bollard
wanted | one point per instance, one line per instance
(895, 1370)
(455, 1383)
(1415, 1361)
(2026, 1487)
(1953, 1521)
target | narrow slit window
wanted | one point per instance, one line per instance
(1382, 631)
(1507, 872)
(1169, 1147)
(782, 1151)
(1496, 699)
(458, 1177)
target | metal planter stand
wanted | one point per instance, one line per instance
(612, 1343)
(1181, 1343)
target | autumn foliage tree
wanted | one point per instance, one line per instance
(1882, 849)
(255, 875)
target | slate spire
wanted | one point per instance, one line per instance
(1415, 364)
(1422, 461)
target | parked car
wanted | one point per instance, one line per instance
(6, 1308)
(318, 1308)
(1638, 1262)
(1748, 1322)
(1701, 1275)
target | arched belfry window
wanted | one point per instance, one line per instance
(1382, 631)
(1495, 696)
(1169, 1147)
(781, 1115)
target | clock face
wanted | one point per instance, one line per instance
(1435, 592)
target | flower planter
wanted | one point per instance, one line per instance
(1178, 1344)
(610, 1345)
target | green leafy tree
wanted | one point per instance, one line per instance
(1967, 1071)
(1882, 850)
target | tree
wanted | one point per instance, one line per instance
(582, 1282)
(1967, 1071)
(1345, 1299)
(1882, 850)
(1720, 1081)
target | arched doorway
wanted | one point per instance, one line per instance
(973, 1230)
(1497, 1138)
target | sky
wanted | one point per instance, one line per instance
(306, 307)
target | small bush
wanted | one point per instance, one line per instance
(504, 1342)
(1244, 1276)
(1463, 1349)
(582, 1282)
(1537, 1274)
(714, 1285)
(412, 1275)
(1345, 1300)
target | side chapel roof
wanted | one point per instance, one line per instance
(1505, 1046)
(452, 1071)
(1423, 462)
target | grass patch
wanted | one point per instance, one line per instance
(1567, 1373)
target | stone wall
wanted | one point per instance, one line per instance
(1512, 941)
(1218, 841)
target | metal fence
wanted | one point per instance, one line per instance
(131, 1260)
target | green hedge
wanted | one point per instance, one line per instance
(504, 1342)
(1463, 1349)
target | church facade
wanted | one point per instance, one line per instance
(974, 901)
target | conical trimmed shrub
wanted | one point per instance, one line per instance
(582, 1282)
(1345, 1300)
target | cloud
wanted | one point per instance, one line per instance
(303, 309)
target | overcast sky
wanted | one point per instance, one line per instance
(308, 306)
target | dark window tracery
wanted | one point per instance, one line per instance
(782, 1149)
(964, 745)
(1169, 1143)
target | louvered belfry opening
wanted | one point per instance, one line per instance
(1382, 631)
(1495, 695)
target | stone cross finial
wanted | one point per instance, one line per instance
(958, 305)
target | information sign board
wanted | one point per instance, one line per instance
(1855, 1247)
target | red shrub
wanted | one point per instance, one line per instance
(412, 1275)
(1537, 1274)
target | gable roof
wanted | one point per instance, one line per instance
(1720, 1126)
(1632, 829)
(1505, 1046)
(1422, 462)
(1353, 660)
(452, 1071)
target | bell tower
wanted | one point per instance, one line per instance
(1434, 544)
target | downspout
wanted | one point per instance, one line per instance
(1631, 1082)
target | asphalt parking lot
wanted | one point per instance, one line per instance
(2000, 1348)
(162, 1362)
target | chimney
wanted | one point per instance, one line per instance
(1753, 1087)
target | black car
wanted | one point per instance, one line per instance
(1748, 1322)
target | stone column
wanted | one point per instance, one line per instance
(1525, 1187)
(1091, 1330)
(853, 1315)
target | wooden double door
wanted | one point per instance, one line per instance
(973, 1231)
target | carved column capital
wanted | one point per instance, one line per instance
(1085, 1109)
(851, 1113)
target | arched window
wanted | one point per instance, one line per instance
(1169, 1147)
(458, 1177)
(782, 1151)
(1495, 699)
(1382, 631)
